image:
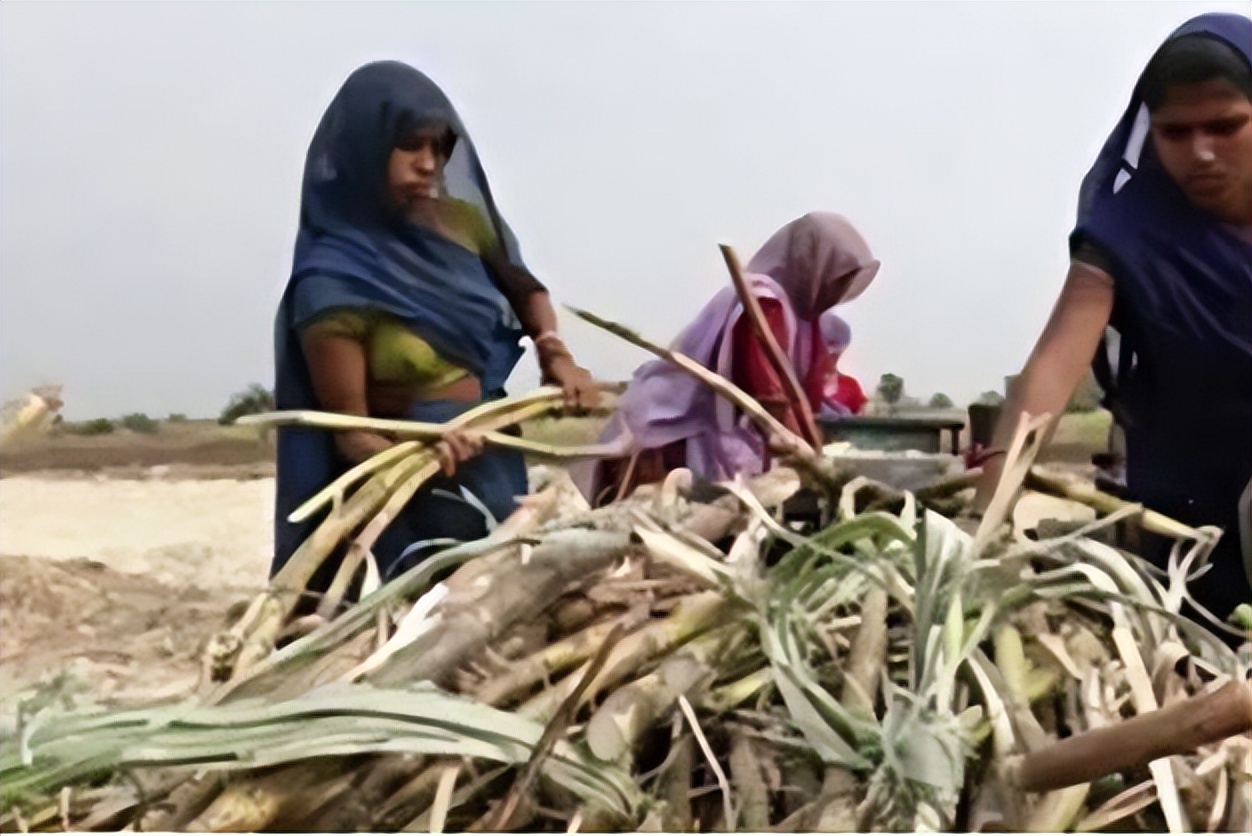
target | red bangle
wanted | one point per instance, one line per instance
(977, 456)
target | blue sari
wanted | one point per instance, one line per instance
(352, 251)
(1182, 388)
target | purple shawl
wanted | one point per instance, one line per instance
(809, 266)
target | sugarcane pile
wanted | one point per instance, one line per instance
(681, 660)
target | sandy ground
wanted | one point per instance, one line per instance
(115, 584)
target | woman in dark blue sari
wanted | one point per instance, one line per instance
(1162, 254)
(407, 299)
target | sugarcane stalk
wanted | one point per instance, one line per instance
(733, 694)
(867, 657)
(1028, 440)
(745, 773)
(475, 614)
(676, 785)
(434, 818)
(256, 633)
(835, 809)
(431, 432)
(616, 725)
(1173, 730)
(552, 660)
(340, 645)
(777, 358)
(1010, 657)
(1104, 503)
(553, 732)
(695, 615)
(364, 541)
(415, 795)
(185, 803)
(356, 807)
(252, 806)
(492, 415)
(295, 575)
(351, 477)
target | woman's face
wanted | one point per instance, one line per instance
(1203, 137)
(414, 166)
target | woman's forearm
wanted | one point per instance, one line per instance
(1060, 360)
(537, 314)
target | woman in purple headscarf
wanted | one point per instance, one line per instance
(1162, 254)
(667, 419)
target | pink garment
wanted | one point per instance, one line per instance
(842, 394)
(810, 265)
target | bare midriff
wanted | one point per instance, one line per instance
(393, 400)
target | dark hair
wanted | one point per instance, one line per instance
(1193, 59)
(411, 123)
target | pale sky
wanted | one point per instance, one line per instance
(150, 161)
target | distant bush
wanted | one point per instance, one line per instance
(1087, 395)
(891, 390)
(940, 401)
(256, 398)
(176, 418)
(97, 426)
(990, 398)
(137, 422)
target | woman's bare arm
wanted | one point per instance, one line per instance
(1058, 363)
(337, 370)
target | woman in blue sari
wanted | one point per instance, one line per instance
(1162, 254)
(407, 299)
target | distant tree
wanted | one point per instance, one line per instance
(940, 401)
(176, 418)
(96, 426)
(256, 398)
(891, 390)
(990, 398)
(137, 422)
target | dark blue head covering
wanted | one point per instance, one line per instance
(354, 251)
(1183, 306)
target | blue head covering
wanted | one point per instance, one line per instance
(354, 251)
(1182, 309)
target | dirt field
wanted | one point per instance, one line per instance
(121, 554)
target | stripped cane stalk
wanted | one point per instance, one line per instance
(406, 476)
(695, 615)
(1027, 441)
(1104, 503)
(291, 580)
(477, 611)
(419, 430)
(550, 661)
(745, 772)
(484, 416)
(554, 731)
(867, 657)
(628, 712)
(835, 809)
(777, 358)
(676, 785)
(361, 546)
(1177, 729)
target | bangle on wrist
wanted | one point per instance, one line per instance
(979, 457)
(551, 348)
